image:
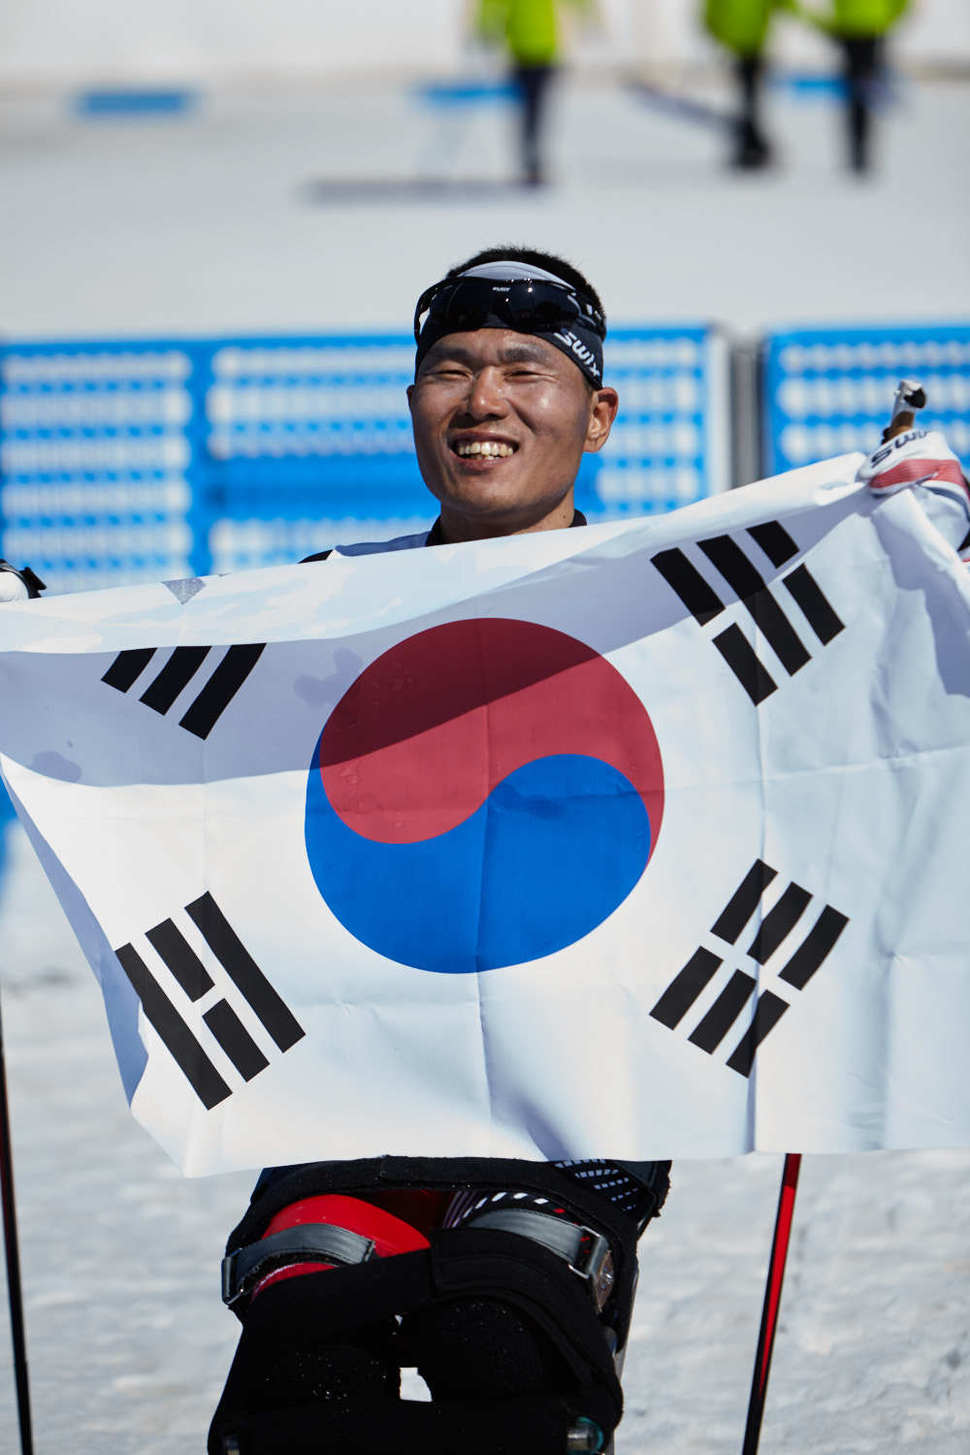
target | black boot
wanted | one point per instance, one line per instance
(751, 148)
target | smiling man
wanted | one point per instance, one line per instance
(519, 1316)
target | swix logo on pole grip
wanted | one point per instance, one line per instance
(898, 443)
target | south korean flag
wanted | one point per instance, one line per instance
(637, 841)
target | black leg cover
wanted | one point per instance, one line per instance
(505, 1334)
(283, 1361)
(476, 1348)
(507, 1427)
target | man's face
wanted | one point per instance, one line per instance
(501, 421)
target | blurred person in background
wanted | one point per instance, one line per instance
(742, 26)
(860, 28)
(530, 30)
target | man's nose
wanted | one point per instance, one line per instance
(486, 394)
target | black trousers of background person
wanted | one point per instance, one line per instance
(533, 86)
(862, 64)
(751, 148)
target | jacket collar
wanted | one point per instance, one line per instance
(435, 537)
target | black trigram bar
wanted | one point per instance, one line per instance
(714, 1026)
(739, 654)
(206, 709)
(226, 945)
(815, 605)
(816, 948)
(743, 902)
(775, 541)
(221, 688)
(235, 1040)
(701, 600)
(743, 578)
(177, 673)
(167, 939)
(127, 667)
(767, 1013)
(685, 987)
(776, 926)
(778, 922)
(749, 584)
(175, 1035)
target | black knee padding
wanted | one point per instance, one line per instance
(285, 1360)
(494, 1427)
(479, 1347)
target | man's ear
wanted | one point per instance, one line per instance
(410, 393)
(605, 402)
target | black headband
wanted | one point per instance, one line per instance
(554, 311)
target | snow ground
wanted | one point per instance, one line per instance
(206, 225)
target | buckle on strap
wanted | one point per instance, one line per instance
(585, 1251)
(308, 1243)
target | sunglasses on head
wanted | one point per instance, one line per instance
(528, 305)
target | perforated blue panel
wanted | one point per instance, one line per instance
(827, 391)
(670, 443)
(309, 445)
(97, 457)
(154, 459)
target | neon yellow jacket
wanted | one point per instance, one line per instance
(855, 17)
(529, 28)
(741, 25)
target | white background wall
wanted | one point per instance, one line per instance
(199, 39)
(217, 40)
(933, 30)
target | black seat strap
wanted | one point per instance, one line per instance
(585, 1251)
(308, 1243)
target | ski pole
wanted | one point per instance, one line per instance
(910, 397)
(772, 1303)
(675, 104)
(13, 1265)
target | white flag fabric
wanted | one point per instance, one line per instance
(636, 841)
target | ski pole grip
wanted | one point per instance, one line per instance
(910, 397)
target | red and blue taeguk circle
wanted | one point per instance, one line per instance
(485, 793)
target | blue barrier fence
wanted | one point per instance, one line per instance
(826, 391)
(162, 458)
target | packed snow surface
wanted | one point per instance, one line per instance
(334, 208)
(229, 219)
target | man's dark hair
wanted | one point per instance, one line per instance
(549, 261)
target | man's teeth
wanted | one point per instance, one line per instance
(483, 447)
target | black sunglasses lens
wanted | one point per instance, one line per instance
(553, 312)
(459, 308)
(540, 304)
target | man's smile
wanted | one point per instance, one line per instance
(476, 447)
